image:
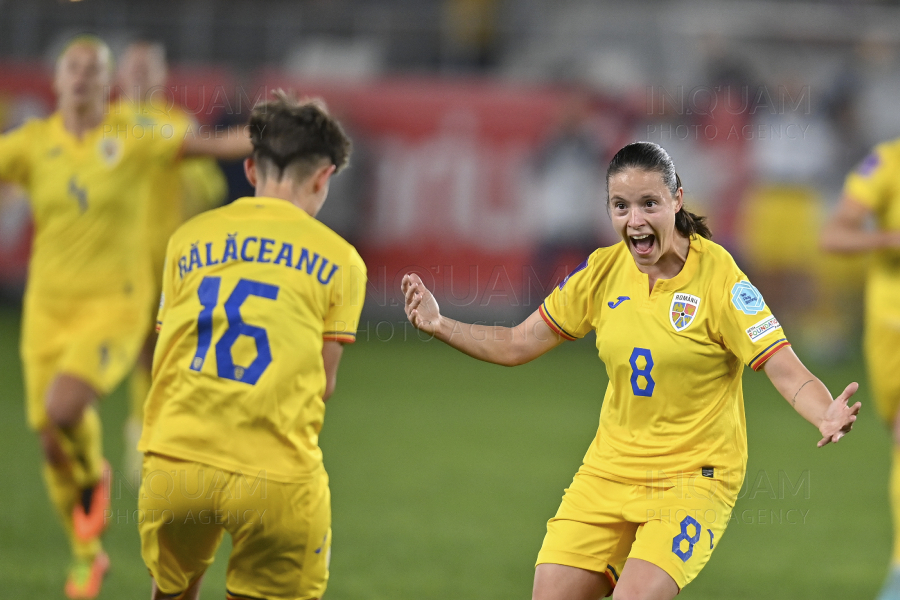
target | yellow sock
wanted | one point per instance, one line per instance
(64, 492)
(86, 441)
(895, 503)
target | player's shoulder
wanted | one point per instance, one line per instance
(341, 247)
(202, 223)
(604, 257)
(33, 126)
(719, 271)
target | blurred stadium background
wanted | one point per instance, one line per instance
(482, 129)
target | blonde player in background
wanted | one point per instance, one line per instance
(868, 220)
(258, 299)
(87, 299)
(176, 194)
(676, 321)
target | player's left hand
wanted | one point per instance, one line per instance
(839, 417)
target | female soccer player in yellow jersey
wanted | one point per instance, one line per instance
(872, 193)
(258, 299)
(676, 320)
(85, 170)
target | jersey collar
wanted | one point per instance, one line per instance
(685, 275)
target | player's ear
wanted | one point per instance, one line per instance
(250, 170)
(321, 177)
(679, 198)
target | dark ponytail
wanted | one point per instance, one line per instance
(652, 157)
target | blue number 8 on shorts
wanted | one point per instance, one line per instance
(691, 540)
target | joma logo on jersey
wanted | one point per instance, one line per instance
(683, 310)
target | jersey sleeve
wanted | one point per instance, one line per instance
(15, 162)
(166, 143)
(747, 326)
(871, 182)
(568, 308)
(347, 296)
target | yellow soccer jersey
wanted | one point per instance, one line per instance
(88, 201)
(674, 360)
(250, 291)
(876, 184)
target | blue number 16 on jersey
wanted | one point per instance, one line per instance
(208, 293)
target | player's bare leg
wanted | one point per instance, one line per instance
(192, 593)
(76, 478)
(642, 580)
(560, 582)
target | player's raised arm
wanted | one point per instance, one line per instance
(811, 398)
(847, 230)
(507, 346)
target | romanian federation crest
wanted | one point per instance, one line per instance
(683, 310)
(747, 298)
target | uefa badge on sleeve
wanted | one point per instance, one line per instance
(683, 310)
(747, 298)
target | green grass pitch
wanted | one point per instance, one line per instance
(444, 471)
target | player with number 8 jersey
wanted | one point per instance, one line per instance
(258, 299)
(676, 321)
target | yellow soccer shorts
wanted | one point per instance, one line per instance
(281, 532)
(95, 340)
(602, 523)
(882, 350)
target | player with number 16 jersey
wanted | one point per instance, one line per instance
(258, 299)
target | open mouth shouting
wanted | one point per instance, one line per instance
(643, 243)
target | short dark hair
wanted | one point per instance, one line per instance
(648, 156)
(296, 134)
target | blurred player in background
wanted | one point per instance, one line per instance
(258, 299)
(85, 170)
(194, 185)
(868, 220)
(675, 319)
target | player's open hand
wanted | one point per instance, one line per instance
(839, 417)
(421, 308)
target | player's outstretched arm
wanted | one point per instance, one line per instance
(811, 398)
(508, 346)
(847, 230)
(232, 144)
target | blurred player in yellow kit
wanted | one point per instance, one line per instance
(868, 220)
(676, 321)
(88, 293)
(194, 185)
(258, 299)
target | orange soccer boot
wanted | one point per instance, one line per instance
(89, 516)
(86, 577)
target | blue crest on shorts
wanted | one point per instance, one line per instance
(747, 298)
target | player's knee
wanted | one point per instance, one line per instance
(53, 452)
(63, 413)
(66, 401)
